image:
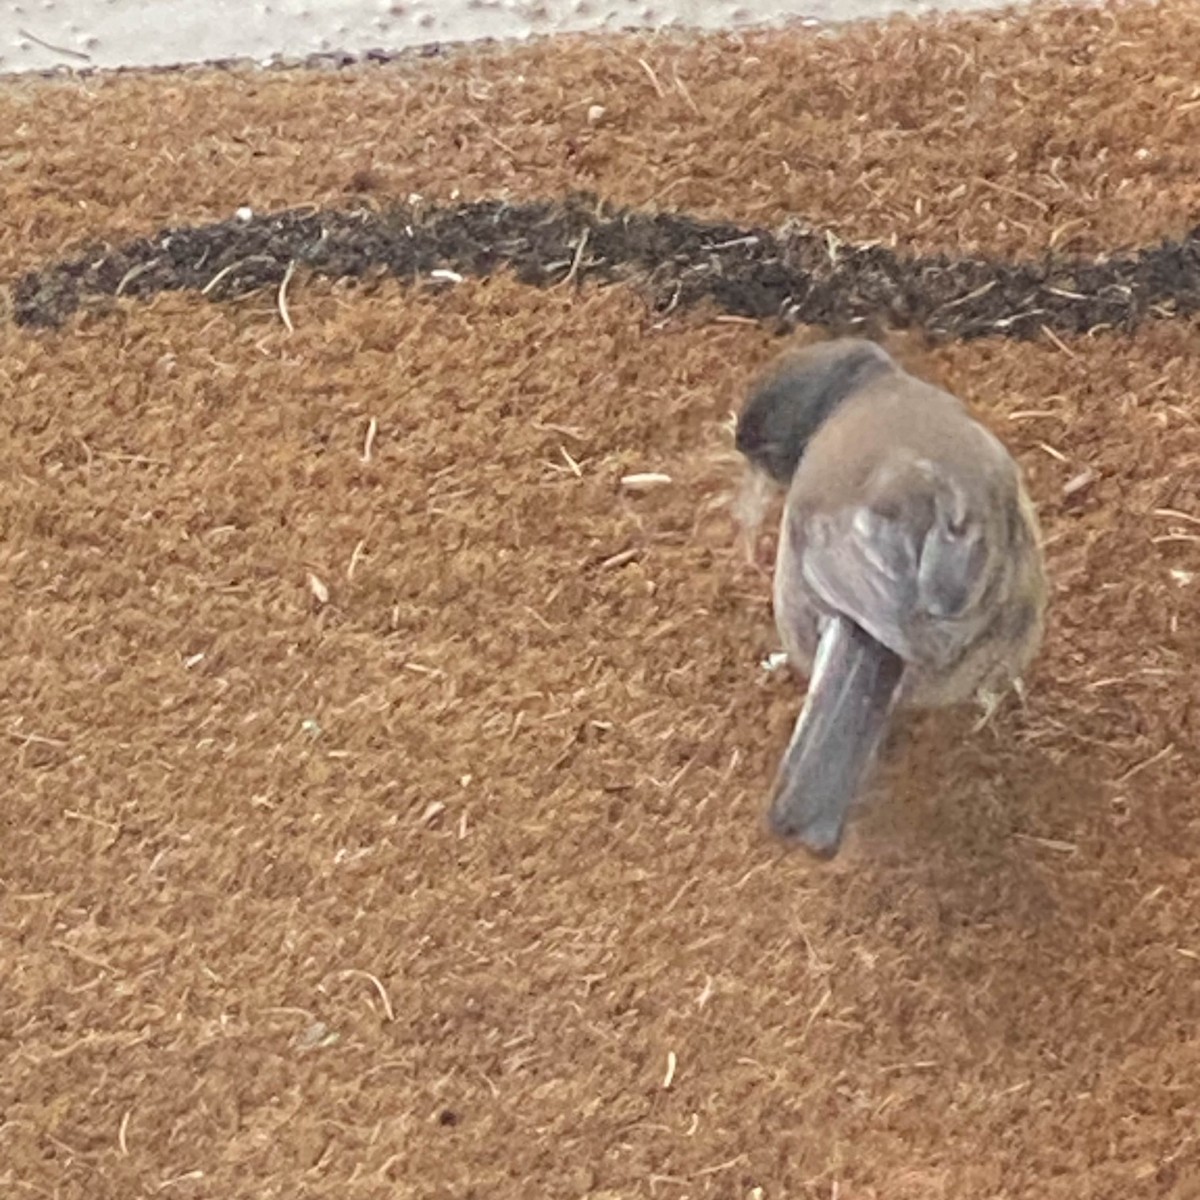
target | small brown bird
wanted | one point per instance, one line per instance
(909, 567)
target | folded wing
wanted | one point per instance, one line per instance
(913, 563)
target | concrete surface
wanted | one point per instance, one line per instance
(36, 35)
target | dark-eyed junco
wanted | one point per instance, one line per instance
(909, 568)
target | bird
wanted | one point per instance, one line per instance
(909, 570)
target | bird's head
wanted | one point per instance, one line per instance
(797, 394)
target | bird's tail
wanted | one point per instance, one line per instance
(852, 690)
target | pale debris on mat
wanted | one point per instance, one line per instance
(643, 481)
(318, 587)
(669, 1077)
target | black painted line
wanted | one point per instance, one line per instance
(794, 275)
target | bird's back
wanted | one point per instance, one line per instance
(907, 515)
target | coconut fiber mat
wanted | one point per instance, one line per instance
(383, 768)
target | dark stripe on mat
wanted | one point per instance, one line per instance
(796, 275)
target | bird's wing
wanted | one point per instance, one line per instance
(912, 562)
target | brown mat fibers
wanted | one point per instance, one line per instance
(382, 779)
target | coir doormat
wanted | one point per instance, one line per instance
(383, 767)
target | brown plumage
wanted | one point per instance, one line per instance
(909, 568)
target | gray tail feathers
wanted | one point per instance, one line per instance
(853, 689)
